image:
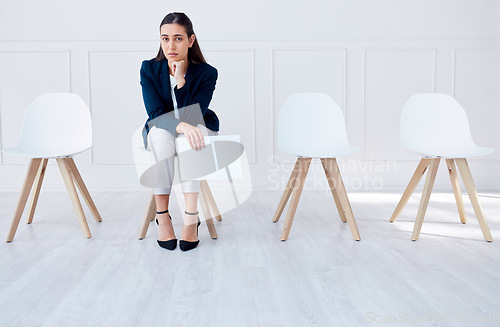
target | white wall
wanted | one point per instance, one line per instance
(370, 56)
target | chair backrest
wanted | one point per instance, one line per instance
(312, 124)
(57, 124)
(435, 123)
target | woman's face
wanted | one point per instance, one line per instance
(174, 42)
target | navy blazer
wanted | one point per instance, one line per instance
(198, 89)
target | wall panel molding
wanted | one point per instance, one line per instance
(476, 77)
(399, 74)
(466, 68)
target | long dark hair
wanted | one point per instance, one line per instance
(194, 53)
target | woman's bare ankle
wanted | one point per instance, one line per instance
(163, 218)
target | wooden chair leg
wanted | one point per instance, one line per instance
(66, 173)
(334, 174)
(463, 167)
(83, 189)
(38, 185)
(298, 185)
(211, 201)
(450, 163)
(333, 189)
(25, 192)
(206, 212)
(417, 176)
(148, 217)
(429, 183)
(205, 207)
(287, 191)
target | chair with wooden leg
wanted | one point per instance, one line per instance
(436, 126)
(143, 162)
(55, 125)
(311, 125)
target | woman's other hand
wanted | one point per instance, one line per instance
(193, 135)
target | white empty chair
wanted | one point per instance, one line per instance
(55, 125)
(311, 125)
(436, 126)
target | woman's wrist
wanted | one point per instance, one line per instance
(180, 127)
(180, 82)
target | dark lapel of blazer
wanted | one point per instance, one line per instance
(165, 78)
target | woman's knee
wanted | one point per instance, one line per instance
(161, 139)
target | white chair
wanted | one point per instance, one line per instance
(143, 162)
(436, 126)
(55, 125)
(311, 125)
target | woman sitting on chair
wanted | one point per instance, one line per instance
(176, 84)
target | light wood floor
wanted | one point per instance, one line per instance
(51, 275)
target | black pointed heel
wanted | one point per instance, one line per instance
(170, 244)
(186, 245)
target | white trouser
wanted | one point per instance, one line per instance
(162, 145)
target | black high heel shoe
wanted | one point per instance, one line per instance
(186, 245)
(170, 244)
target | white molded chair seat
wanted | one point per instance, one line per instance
(436, 126)
(311, 125)
(55, 125)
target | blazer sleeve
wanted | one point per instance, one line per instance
(154, 104)
(201, 95)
